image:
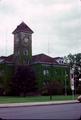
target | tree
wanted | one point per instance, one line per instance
(79, 88)
(78, 59)
(53, 87)
(24, 81)
(74, 61)
(66, 59)
(71, 59)
(1, 86)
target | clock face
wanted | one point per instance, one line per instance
(25, 39)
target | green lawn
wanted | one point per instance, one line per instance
(8, 99)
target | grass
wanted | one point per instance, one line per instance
(9, 99)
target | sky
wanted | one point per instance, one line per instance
(56, 25)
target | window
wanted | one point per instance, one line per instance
(45, 72)
(60, 61)
(25, 52)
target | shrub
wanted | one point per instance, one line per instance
(79, 88)
(52, 88)
(24, 81)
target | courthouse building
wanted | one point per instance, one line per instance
(46, 67)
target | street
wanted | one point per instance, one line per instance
(62, 111)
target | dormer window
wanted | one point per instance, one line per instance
(60, 61)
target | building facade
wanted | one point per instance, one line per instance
(45, 67)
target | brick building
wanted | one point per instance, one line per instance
(46, 67)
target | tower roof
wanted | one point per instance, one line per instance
(22, 28)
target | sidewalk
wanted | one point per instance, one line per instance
(37, 103)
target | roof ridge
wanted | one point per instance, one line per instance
(22, 27)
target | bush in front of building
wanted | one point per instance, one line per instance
(23, 82)
(53, 87)
(79, 88)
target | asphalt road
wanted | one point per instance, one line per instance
(63, 111)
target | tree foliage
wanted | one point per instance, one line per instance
(53, 87)
(75, 62)
(73, 59)
(24, 81)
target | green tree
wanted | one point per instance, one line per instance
(78, 59)
(75, 62)
(24, 81)
(73, 59)
(52, 87)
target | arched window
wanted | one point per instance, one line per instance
(25, 52)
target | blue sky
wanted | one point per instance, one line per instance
(56, 25)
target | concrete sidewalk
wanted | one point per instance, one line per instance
(37, 103)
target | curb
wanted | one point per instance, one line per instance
(37, 104)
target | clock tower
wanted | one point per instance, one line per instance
(22, 44)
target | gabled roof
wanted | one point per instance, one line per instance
(2, 57)
(42, 58)
(39, 58)
(8, 59)
(22, 28)
(56, 58)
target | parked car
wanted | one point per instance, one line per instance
(79, 98)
